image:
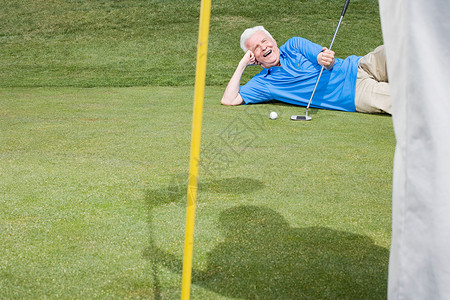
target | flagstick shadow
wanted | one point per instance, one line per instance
(175, 193)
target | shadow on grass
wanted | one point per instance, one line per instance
(263, 257)
(175, 193)
(297, 109)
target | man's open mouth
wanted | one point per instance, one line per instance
(267, 53)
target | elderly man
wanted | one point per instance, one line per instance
(290, 73)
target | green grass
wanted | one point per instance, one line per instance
(95, 125)
(139, 43)
(93, 186)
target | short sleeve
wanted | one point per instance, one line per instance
(255, 91)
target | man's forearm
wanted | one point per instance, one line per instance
(231, 95)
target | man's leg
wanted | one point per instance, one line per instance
(372, 87)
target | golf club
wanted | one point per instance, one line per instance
(306, 117)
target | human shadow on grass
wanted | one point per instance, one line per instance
(263, 257)
(175, 194)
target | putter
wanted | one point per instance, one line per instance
(306, 117)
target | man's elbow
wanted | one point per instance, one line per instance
(224, 101)
(231, 102)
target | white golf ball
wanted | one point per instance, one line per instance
(273, 115)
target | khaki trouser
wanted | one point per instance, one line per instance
(372, 93)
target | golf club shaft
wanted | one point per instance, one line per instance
(331, 45)
(340, 21)
(335, 32)
(314, 90)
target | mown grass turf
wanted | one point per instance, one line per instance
(138, 43)
(93, 186)
(93, 180)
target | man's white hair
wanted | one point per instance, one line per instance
(248, 34)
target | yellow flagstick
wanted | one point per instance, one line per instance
(200, 74)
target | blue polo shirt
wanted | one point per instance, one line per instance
(294, 81)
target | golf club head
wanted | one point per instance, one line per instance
(300, 118)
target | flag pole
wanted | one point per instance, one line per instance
(199, 91)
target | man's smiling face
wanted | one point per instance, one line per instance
(264, 48)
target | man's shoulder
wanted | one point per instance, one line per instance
(295, 43)
(296, 39)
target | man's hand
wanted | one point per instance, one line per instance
(249, 59)
(326, 58)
